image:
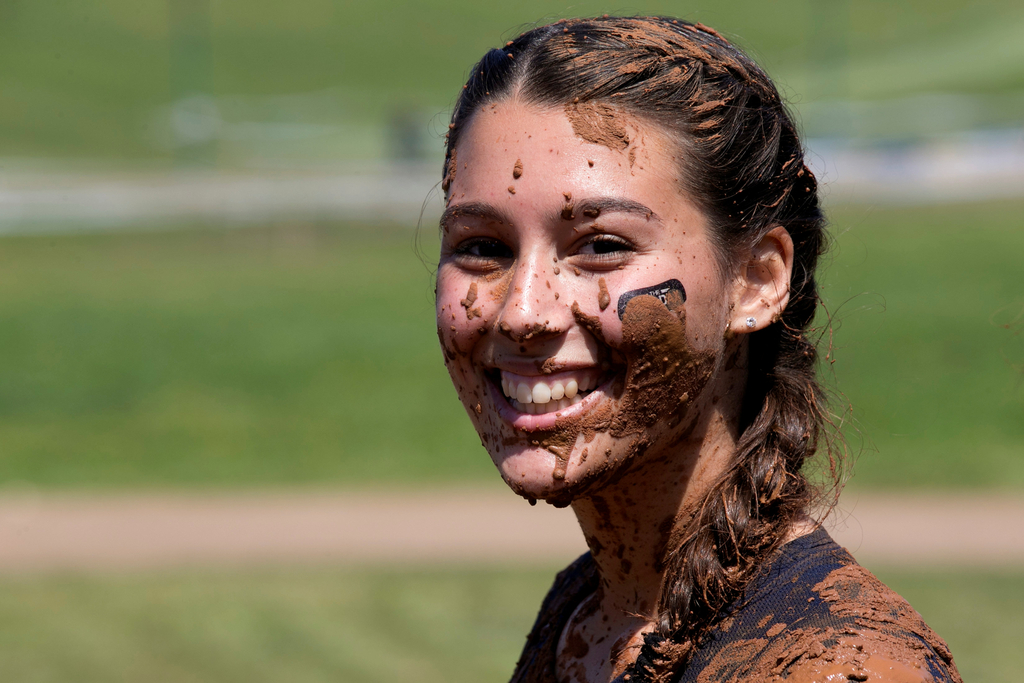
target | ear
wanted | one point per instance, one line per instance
(762, 283)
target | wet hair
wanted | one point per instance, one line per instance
(742, 162)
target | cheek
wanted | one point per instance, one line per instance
(465, 310)
(463, 306)
(606, 298)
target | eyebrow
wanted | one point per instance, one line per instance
(473, 210)
(598, 204)
(612, 205)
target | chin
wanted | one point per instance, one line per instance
(527, 471)
(536, 473)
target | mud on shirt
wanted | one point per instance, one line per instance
(814, 614)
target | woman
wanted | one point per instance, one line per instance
(626, 281)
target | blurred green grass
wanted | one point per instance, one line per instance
(306, 354)
(261, 356)
(308, 625)
(89, 78)
(928, 320)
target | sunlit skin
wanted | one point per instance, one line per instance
(512, 241)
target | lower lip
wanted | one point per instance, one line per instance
(529, 423)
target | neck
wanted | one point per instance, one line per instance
(631, 524)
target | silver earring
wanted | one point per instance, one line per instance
(751, 321)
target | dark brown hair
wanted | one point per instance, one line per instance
(743, 163)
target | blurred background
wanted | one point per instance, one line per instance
(213, 288)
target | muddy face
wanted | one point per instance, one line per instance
(564, 393)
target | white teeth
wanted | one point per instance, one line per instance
(571, 388)
(549, 407)
(541, 397)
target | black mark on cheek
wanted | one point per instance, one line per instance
(670, 293)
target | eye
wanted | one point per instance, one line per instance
(601, 245)
(601, 251)
(484, 248)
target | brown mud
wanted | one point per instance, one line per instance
(877, 636)
(500, 290)
(449, 173)
(468, 302)
(662, 373)
(569, 208)
(599, 124)
(470, 296)
(603, 299)
(550, 365)
(872, 634)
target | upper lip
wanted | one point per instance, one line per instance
(529, 367)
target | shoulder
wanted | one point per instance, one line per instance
(815, 614)
(574, 583)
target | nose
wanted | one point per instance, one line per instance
(532, 309)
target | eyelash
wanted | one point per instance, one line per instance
(489, 249)
(607, 240)
(465, 249)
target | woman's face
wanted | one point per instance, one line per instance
(556, 222)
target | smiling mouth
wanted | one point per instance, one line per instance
(535, 396)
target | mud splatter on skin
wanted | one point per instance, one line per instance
(661, 375)
(500, 290)
(468, 302)
(591, 323)
(449, 174)
(603, 299)
(599, 124)
(534, 330)
(549, 366)
(470, 296)
(449, 353)
(569, 208)
(561, 463)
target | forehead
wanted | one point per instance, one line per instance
(511, 149)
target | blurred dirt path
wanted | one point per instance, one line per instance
(124, 532)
